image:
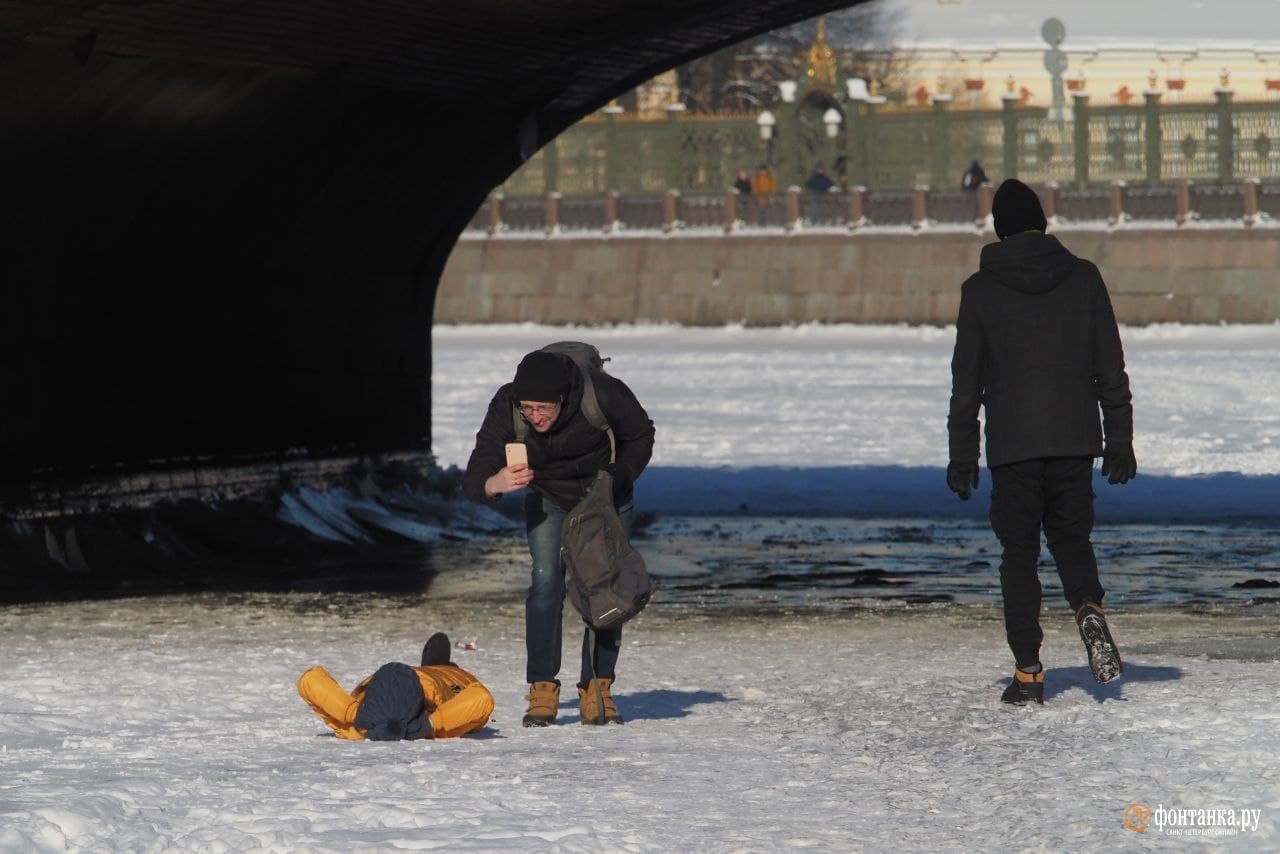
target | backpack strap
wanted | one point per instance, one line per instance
(522, 426)
(594, 414)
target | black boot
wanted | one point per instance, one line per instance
(1025, 687)
(1104, 658)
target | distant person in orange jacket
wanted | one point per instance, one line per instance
(763, 186)
(435, 700)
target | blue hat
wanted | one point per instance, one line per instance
(393, 707)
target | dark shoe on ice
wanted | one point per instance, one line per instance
(1024, 688)
(1104, 658)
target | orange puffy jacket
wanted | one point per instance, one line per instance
(461, 703)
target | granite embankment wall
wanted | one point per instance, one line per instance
(1161, 275)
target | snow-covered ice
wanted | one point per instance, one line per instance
(1206, 398)
(851, 420)
(172, 724)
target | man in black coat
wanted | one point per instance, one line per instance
(565, 452)
(1038, 347)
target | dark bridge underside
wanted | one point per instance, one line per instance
(223, 222)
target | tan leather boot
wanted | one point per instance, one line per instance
(597, 703)
(544, 702)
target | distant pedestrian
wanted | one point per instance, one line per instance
(1038, 348)
(974, 177)
(819, 181)
(763, 186)
(817, 205)
(742, 183)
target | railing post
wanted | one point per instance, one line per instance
(611, 114)
(611, 211)
(1226, 135)
(675, 151)
(1115, 206)
(495, 213)
(1080, 111)
(731, 209)
(1152, 135)
(792, 214)
(1009, 146)
(1249, 200)
(871, 139)
(551, 167)
(552, 214)
(920, 206)
(985, 196)
(1050, 199)
(856, 143)
(670, 210)
(857, 206)
(941, 140)
(1182, 201)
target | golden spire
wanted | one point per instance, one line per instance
(821, 71)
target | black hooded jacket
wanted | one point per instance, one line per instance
(567, 457)
(1037, 345)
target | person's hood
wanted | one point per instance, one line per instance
(1030, 262)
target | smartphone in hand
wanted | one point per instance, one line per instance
(517, 454)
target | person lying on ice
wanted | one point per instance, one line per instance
(436, 700)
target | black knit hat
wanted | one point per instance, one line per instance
(436, 650)
(1016, 208)
(542, 377)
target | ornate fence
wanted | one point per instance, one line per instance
(1088, 146)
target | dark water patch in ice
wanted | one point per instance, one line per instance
(1147, 565)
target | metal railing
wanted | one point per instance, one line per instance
(1089, 145)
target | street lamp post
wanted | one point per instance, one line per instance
(766, 122)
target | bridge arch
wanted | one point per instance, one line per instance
(226, 221)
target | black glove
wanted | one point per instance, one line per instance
(1119, 465)
(962, 478)
(621, 483)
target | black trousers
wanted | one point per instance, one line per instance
(1056, 493)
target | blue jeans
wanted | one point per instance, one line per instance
(544, 605)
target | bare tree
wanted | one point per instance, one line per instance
(745, 77)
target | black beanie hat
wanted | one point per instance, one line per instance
(541, 377)
(393, 706)
(1016, 208)
(436, 650)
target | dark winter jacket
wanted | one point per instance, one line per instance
(1037, 346)
(567, 457)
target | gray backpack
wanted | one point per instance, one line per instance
(607, 580)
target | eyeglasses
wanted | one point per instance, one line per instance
(529, 410)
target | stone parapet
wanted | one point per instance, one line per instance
(1200, 275)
